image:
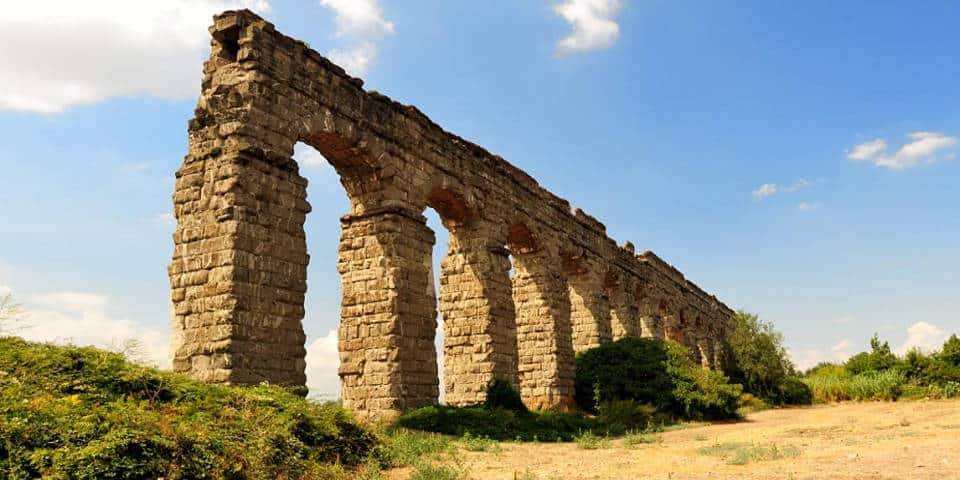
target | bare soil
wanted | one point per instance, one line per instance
(901, 440)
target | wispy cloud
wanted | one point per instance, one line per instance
(805, 359)
(923, 147)
(362, 22)
(770, 189)
(765, 190)
(806, 206)
(592, 22)
(146, 47)
(925, 336)
(841, 351)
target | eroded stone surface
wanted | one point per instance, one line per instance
(238, 275)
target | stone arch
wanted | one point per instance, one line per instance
(544, 334)
(476, 301)
(238, 271)
(589, 300)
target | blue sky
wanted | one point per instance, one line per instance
(796, 160)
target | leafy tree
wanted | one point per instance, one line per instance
(756, 359)
(879, 359)
(951, 351)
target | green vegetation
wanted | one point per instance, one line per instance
(737, 453)
(479, 444)
(756, 359)
(497, 424)
(83, 413)
(881, 375)
(654, 372)
(590, 441)
(633, 439)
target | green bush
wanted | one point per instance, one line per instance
(621, 416)
(629, 369)
(83, 413)
(497, 424)
(832, 385)
(794, 392)
(653, 372)
(503, 394)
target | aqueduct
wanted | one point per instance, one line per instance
(238, 275)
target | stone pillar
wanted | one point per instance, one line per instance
(544, 336)
(480, 332)
(624, 317)
(238, 273)
(589, 307)
(388, 361)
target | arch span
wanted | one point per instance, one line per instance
(238, 274)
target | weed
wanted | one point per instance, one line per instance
(640, 438)
(589, 441)
(738, 453)
(525, 475)
(479, 444)
(405, 447)
(439, 471)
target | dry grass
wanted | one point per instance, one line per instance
(877, 440)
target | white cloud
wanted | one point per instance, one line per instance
(806, 206)
(802, 183)
(592, 23)
(805, 359)
(363, 23)
(323, 361)
(923, 148)
(925, 336)
(83, 319)
(770, 189)
(841, 351)
(764, 191)
(59, 54)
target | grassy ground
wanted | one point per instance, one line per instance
(875, 440)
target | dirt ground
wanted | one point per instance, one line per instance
(904, 440)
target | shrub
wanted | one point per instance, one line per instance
(794, 392)
(503, 394)
(653, 372)
(83, 413)
(620, 416)
(699, 394)
(589, 441)
(628, 369)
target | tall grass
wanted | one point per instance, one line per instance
(835, 385)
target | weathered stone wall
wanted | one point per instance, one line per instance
(238, 275)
